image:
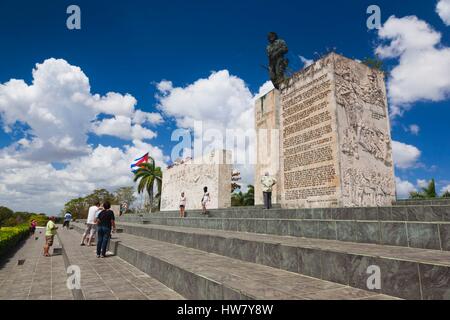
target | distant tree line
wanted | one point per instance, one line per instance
(78, 207)
(9, 218)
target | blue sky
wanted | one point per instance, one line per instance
(129, 47)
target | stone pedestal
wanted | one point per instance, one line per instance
(267, 125)
(212, 171)
(335, 137)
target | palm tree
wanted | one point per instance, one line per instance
(249, 196)
(237, 199)
(148, 174)
(430, 191)
(427, 193)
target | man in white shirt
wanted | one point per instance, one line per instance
(267, 183)
(67, 219)
(90, 224)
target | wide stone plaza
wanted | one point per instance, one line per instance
(335, 232)
(250, 253)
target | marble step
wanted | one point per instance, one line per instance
(430, 202)
(408, 273)
(199, 275)
(425, 235)
(395, 213)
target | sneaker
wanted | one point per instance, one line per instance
(98, 256)
(82, 244)
(103, 256)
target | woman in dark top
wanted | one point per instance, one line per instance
(105, 223)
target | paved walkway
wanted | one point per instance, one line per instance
(39, 278)
(111, 278)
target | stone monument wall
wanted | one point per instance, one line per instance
(267, 125)
(335, 137)
(190, 178)
(367, 169)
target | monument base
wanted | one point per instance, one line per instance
(212, 171)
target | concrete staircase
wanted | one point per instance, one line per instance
(424, 202)
(252, 253)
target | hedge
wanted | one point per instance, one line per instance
(11, 236)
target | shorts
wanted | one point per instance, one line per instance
(66, 224)
(182, 206)
(90, 229)
(49, 240)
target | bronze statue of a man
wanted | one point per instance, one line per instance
(276, 50)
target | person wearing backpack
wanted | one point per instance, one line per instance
(105, 224)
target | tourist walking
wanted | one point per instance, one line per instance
(205, 200)
(67, 219)
(50, 232)
(267, 183)
(182, 205)
(33, 226)
(91, 226)
(105, 224)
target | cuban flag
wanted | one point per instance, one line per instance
(138, 162)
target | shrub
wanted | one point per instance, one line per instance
(11, 236)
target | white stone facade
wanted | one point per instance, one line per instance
(335, 137)
(213, 171)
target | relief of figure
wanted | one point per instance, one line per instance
(372, 93)
(350, 145)
(366, 188)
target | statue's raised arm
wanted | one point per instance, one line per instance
(276, 50)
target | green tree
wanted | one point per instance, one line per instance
(249, 196)
(237, 199)
(427, 193)
(148, 176)
(416, 195)
(240, 199)
(446, 194)
(77, 207)
(100, 195)
(125, 194)
(5, 215)
(430, 191)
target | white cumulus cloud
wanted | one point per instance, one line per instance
(404, 188)
(122, 127)
(405, 155)
(443, 9)
(445, 189)
(424, 62)
(220, 102)
(422, 183)
(57, 111)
